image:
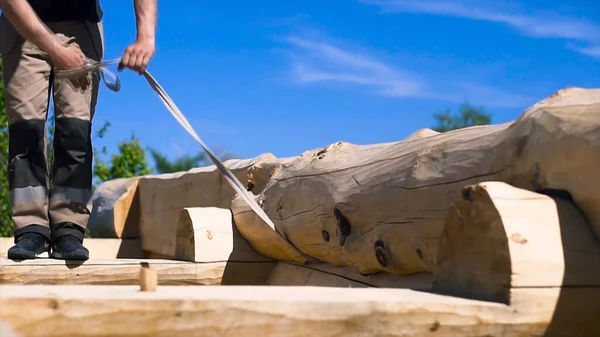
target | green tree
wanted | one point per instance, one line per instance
(467, 115)
(6, 228)
(183, 163)
(130, 161)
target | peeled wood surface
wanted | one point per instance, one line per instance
(114, 208)
(382, 207)
(6, 331)
(163, 196)
(505, 244)
(207, 234)
(327, 275)
(99, 248)
(497, 237)
(108, 272)
(255, 311)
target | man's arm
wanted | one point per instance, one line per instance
(30, 27)
(138, 55)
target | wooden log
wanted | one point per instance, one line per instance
(108, 272)
(505, 244)
(114, 209)
(327, 275)
(382, 207)
(99, 248)
(256, 311)
(162, 197)
(6, 331)
(208, 235)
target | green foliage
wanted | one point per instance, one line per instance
(183, 163)
(468, 115)
(6, 228)
(130, 161)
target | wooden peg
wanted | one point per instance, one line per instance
(148, 278)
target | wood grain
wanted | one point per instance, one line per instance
(163, 196)
(114, 209)
(255, 311)
(508, 245)
(107, 272)
(381, 208)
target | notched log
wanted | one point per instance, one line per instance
(389, 191)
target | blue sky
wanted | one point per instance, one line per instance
(288, 76)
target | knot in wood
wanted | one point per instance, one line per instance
(467, 194)
(325, 235)
(343, 225)
(380, 253)
(420, 254)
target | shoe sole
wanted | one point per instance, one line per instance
(78, 257)
(19, 255)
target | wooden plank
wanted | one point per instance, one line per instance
(381, 208)
(99, 248)
(108, 272)
(257, 311)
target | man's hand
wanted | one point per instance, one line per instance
(70, 57)
(138, 55)
(26, 22)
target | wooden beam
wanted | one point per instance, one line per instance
(256, 311)
(381, 208)
(99, 248)
(506, 245)
(108, 272)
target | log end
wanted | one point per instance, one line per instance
(114, 209)
(473, 258)
(497, 238)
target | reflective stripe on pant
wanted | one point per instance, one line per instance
(43, 197)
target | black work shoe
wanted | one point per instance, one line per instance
(69, 247)
(29, 246)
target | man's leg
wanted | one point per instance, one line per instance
(71, 185)
(26, 97)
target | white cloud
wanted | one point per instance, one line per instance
(318, 61)
(593, 51)
(315, 60)
(534, 25)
